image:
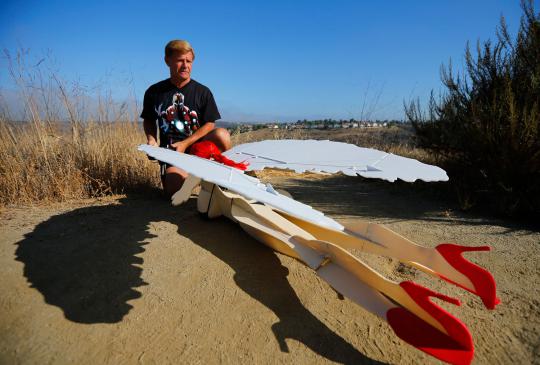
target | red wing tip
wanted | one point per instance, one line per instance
(496, 302)
(448, 299)
(426, 338)
(429, 292)
(489, 303)
(483, 282)
(461, 248)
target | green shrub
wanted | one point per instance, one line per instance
(484, 129)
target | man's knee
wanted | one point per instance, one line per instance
(221, 137)
(173, 180)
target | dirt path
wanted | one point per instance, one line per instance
(132, 280)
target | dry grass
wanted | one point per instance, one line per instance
(264, 134)
(43, 163)
(93, 153)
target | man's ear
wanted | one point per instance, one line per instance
(166, 59)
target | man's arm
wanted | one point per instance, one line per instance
(182, 146)
(150, 129)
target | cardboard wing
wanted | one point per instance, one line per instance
(235, 180)
(333, 157)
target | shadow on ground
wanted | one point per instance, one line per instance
(85, 262)
(341, 196)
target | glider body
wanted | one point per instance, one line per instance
(297, 230)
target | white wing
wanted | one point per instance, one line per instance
(235, 180)
(333, 157)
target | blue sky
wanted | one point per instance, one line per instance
(263, 60)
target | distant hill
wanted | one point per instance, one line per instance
(233, 125)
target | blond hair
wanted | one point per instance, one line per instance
(179, 46)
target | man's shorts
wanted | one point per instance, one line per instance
(163, 166)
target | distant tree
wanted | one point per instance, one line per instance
(485, 128)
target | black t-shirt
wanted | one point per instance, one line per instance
(196, 97)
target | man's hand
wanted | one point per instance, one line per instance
(151, 141)
(183, 145)
(180, 146)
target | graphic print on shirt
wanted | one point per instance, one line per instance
(177, 122)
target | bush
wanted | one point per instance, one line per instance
(484, 128)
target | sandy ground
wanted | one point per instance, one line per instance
(133, 280)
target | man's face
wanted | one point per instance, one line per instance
(180, 65)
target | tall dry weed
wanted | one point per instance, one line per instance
(39, 163)
(262, 134)
(63, 149)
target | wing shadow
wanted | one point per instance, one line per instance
(85, 261)
(340, 195)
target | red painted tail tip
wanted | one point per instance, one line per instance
(471, 248)
(428, 339)
(482, 280)
(431, 293)
(455, 346)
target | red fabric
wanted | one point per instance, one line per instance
(482, 280)
(455, 347)
(210, 151)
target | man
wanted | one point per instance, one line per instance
(185, 112)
